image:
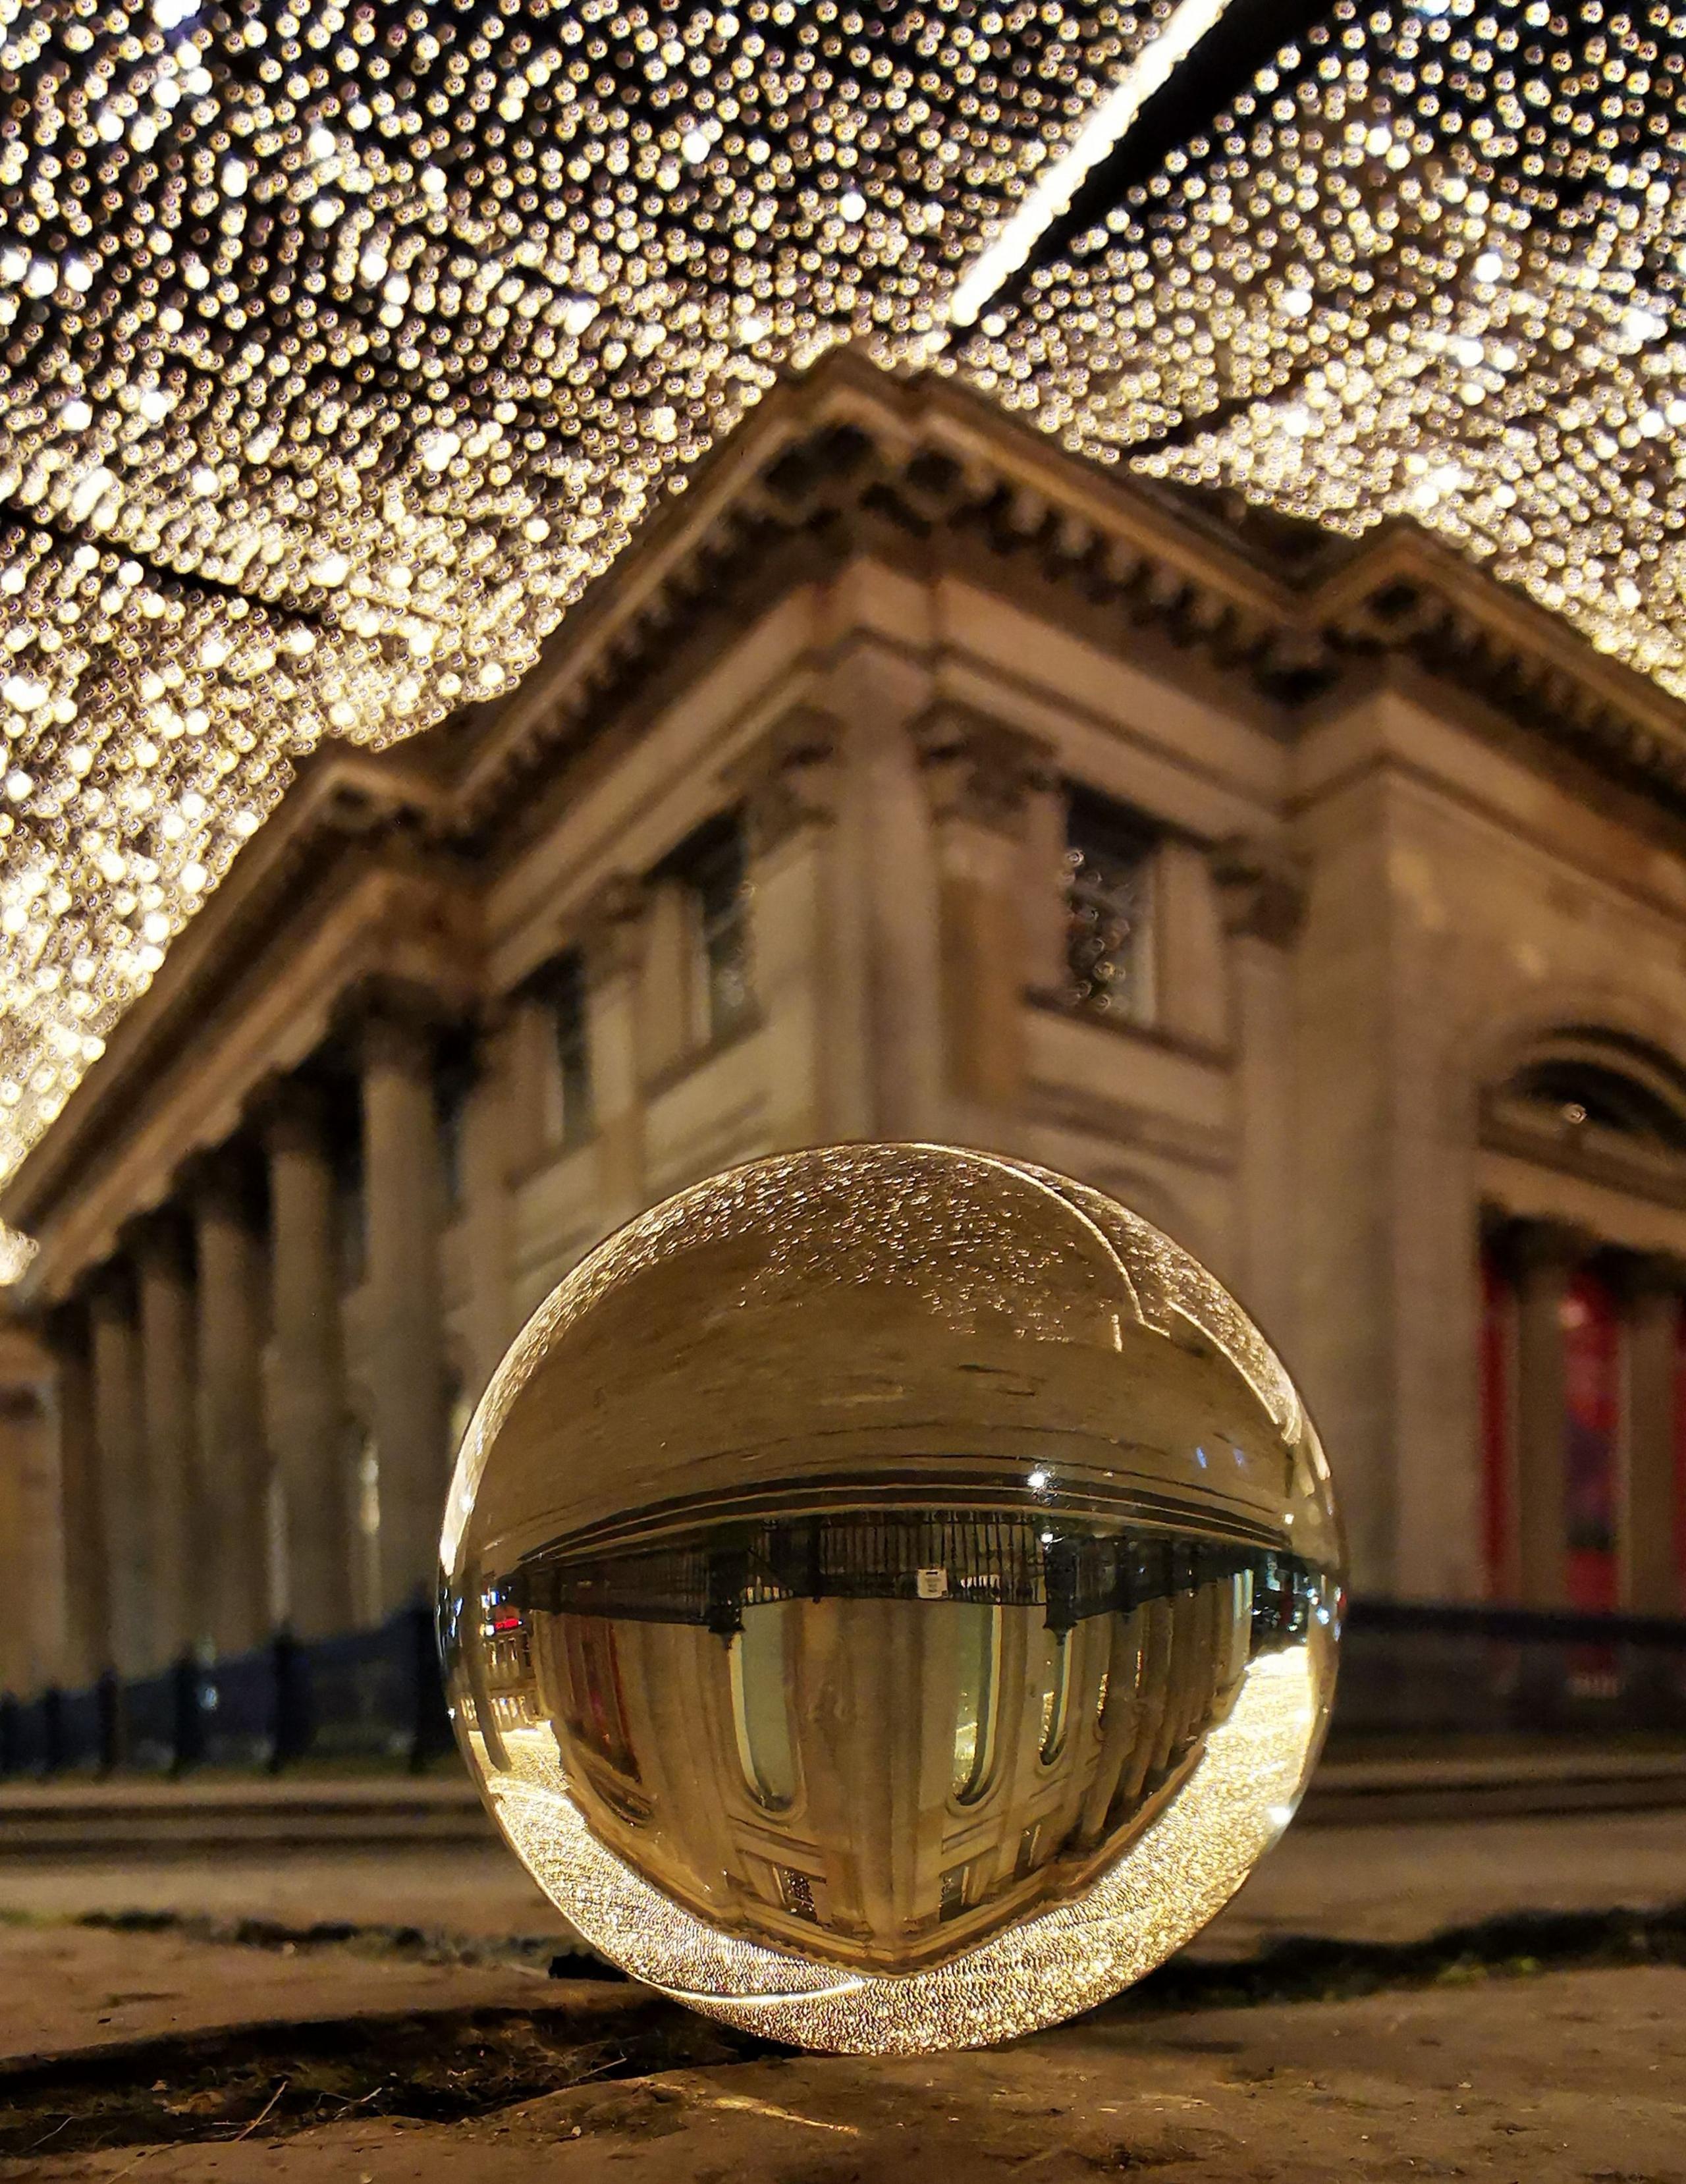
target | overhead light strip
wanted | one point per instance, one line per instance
(1149, 73)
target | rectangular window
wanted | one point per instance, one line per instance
(796, 1890)
(1109, 908)
(711, 866)
(566, 998)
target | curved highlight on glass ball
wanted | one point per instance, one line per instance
(890, 1597)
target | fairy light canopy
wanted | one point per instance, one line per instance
(345, 343)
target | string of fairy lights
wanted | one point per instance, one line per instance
(343, 344)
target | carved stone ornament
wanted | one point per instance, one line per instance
(977, 769)
(788, 780)
(1261, 891)
(612, 926)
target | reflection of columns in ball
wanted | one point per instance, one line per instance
(890, 1596)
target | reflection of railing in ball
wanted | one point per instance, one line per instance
(888, 1613)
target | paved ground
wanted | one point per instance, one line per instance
(1552, 2050)
(1366, 1883)
(1561, 2076)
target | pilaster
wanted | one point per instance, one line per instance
(1260, 900)
(978, 775)
(613, 932)
(805, 935)
(1652, 1288)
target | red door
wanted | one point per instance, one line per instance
(1497, 1306)
(1680, 1458)
(1592, 1369)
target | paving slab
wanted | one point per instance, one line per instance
(472, 1888)
(1361, 1883)
(65, 1988)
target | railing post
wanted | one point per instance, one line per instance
(290, 1670)
(429, 1723)
(52, 1730)
(188, 1721)
(109, 1702)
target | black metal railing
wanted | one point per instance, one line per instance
(1412, 1673)
(1421, 1671)
(370, 1697)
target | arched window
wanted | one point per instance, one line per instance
(977, 1696)
(761, 1703)
(1610, 1112)
(1057, 1649)
(1579, 1095)
(1597, 1102)
(597, 1705)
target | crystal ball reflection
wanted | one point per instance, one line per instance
(890, 1596)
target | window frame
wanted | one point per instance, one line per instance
(1122, 844)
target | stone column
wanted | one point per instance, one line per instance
(232, 1597)
(613, 933)
(1261, 900)
(810, 972)
(309, 1430)
(404, 1192)
(977, 775)
(121, 1455)
(81, 1524)
(496, 1147)
(32, 1558)
(168, 1427)
(1645, 1541)
(1544, 1255)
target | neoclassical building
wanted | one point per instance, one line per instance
(1326, 902)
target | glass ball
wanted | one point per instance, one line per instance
(890, 1597)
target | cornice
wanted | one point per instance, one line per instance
(849, 459)
(349, 814)
(845, 461)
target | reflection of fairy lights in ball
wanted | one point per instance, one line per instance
(841, 1618)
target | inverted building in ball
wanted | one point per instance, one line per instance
(890, 1596)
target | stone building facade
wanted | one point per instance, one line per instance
(909, 779)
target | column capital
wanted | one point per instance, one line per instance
(1642, 1275)
(217, 1179)
(109, 1289)
(787, 779)
(64, 1326)
(158, 1237)
(1261, 890)
(612, 926)
(290, 1113)
(1533, 1246)
(979, 769)
(384, 1017)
